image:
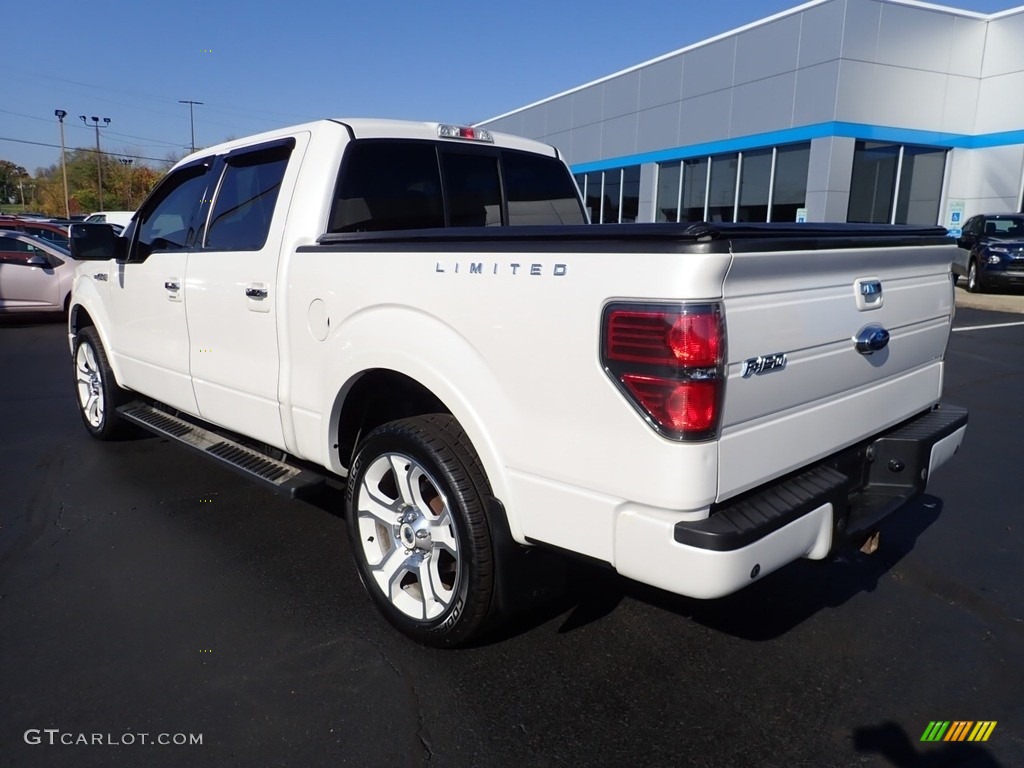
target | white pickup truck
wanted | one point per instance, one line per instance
(423, 311)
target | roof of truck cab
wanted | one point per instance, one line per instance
(372, 128)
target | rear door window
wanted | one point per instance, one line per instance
(246, 199)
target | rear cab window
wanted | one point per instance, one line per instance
(416, 184)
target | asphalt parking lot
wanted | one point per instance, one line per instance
(146, 591)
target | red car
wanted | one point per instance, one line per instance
(48, 231)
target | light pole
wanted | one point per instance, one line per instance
(61, 114)
(131, 179)
(191, 121)
(99, 167)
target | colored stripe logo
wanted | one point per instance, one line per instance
(958, 730)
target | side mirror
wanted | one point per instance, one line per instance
(96, 242)
(38, 260)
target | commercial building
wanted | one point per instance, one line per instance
(836, 110)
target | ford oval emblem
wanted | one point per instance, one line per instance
(871, 339)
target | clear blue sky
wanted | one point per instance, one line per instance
(258, 65)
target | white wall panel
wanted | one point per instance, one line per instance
(766, 105)
(709, 68)
(860, 29)
(587, 105)
(559, 115)
(661, 83)
(510, 124)
(618, 136)
(620, 95)
(815, 93)
(658, 128)
(968, 47)
(914, 37)
(767, 50)
(883, 95)
(960, 106)
(821, 33)
(705, 118)
(994, 177)
(534, 122)
(586, 143)
(1004, 49)
(1001, 103)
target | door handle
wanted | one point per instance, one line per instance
(172, 285)
(256, 293)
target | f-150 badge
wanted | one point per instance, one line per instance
(764, 364)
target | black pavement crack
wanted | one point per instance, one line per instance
(421, 734)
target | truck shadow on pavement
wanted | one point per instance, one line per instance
(766, 609)
(763, 611)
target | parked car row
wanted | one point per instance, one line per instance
(36, 268)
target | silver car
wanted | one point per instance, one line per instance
(35, 275)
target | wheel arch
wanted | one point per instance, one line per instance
(374, 397)
(87, 310)
(379, 394)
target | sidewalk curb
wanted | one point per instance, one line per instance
(992, 302)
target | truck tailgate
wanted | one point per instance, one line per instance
(797, 387)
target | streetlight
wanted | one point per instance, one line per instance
(99, 169)
(61, 114)
(191, 122)
(131, 180)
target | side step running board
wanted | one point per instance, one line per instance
(291, 480)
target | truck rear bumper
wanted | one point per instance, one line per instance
(804, 515)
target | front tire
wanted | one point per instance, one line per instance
(973, 278)
(98, 393)
(418, 529)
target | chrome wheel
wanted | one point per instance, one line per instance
(972, 277)
(408, 536)
(416, 513)
(90, 385)
(99, 396)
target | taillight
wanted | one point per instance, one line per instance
(668, 360)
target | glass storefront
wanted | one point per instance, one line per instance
(767, 184)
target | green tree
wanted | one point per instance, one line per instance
(125, 185)
(12, 183)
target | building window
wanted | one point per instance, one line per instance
(695, 189)
(722, 189)
(789, 185)
(667, 207)
(757, 185)
(612, 196)
(872, 182)
(894, 183)
(592, 196)
(920, 185)
(630, 194)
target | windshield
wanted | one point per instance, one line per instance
(1004, 226)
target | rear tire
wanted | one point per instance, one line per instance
(98, 393)
(417, 524)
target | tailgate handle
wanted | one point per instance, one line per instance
(871, 339)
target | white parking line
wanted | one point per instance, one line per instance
(986, 327)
